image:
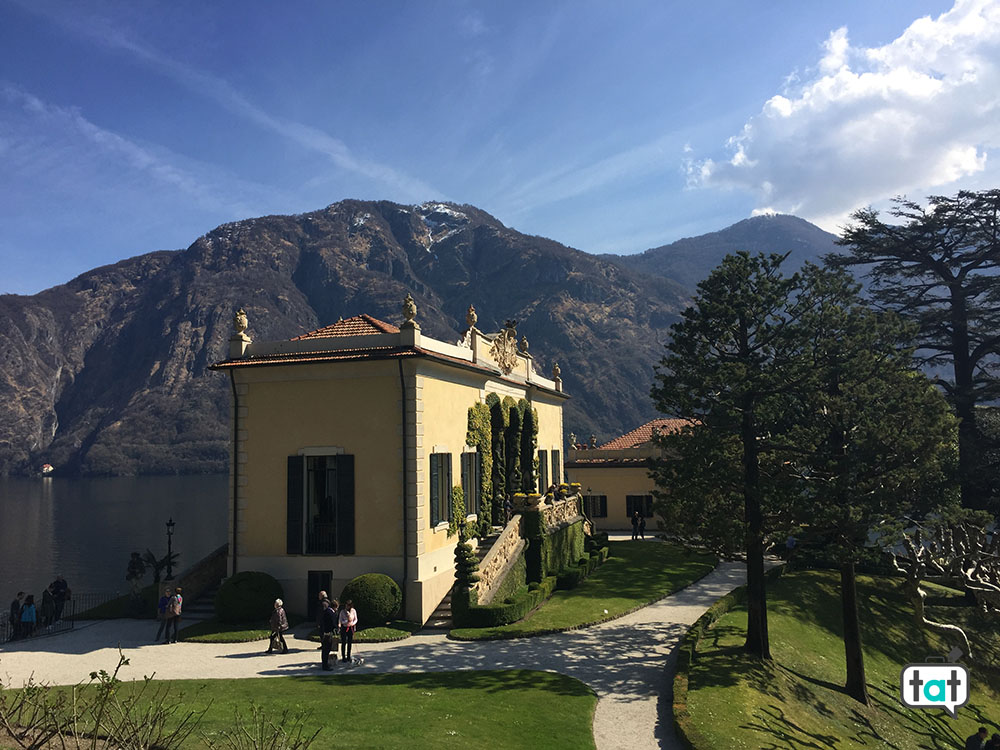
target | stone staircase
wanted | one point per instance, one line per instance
(202, 608)
(440, 618)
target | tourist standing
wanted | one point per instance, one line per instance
(174, 608)
(279, 624)
(977, 740)
(642, 527)
(15, 615)
(348, 624)
(48, 607)
(29, 617)
(60, 592)
(161, 614)
(635, 525)
(327, 628)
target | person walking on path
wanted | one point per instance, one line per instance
(174, 608)
(642, 527)
(635, 525)
(15, 615)
(348, 624)
(327, 629)
(279, 624)
(29, 617)
(161, 613)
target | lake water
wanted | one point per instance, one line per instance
(86, 528)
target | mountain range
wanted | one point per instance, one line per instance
(106, 374)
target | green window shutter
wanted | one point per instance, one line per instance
(295, 499)
(435, 489)
(345, 505)
(446, 495)
(604, 506)
(556, 466)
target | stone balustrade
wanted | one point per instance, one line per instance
(499, 559)
(561, 511)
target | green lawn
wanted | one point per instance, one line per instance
(636, 574)
(796, 702)
(494, 709)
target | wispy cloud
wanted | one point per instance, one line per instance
(919, 113)
(221, 92)
(60, 146)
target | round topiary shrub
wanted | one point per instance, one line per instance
(247, 597)
(376, 597)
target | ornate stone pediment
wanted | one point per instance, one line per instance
(504, 350)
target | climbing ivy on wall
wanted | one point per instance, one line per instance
(457, 511)
(480, 435)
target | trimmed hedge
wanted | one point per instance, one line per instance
(687, 650)
(375, 596)
(247, 597)
(467, 614)
(550, 554)
(571, 577)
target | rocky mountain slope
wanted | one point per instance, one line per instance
(689, 260)
(107, 373)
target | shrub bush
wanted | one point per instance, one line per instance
(247, 597)
(375, 596)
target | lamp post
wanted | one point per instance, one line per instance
(170, 533)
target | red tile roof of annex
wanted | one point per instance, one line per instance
(644, 434)
(359, 325)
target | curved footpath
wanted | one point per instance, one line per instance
(629, 662)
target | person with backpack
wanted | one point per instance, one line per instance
(279, 624)
(327, 628)
(28, 617)
(161, 614)
(174, 607)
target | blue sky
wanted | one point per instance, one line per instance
(127, 127)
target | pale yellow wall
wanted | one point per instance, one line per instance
(444, 395)
(550, 434)
(615, 483)
(352, 406)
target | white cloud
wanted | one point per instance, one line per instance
(918, 114)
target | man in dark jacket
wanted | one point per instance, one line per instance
(327, 628)
(15, 615)
(976, 741)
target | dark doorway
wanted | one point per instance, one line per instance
(319, 580)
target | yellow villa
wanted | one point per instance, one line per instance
(614, 477)
(347, 442)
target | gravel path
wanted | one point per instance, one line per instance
(628, 661)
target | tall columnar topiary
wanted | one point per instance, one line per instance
(466, 565)
(512, 447)
(529, 446)
(498, 425)
(375, 596)
(479, 435)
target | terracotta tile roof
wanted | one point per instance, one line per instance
(642, 435)
(359, 325)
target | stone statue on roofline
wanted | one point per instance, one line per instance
(471, 318)
(240, 321)
(409, 312)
